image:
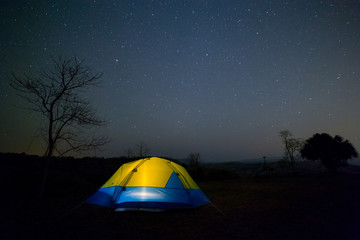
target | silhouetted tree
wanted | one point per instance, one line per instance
(55, 93)
(332, 152)
(142, 150)
(292, 145)
(129, 153)
(194, 165)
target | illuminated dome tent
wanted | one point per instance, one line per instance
(150, 184)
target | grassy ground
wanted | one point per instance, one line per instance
(291, 207)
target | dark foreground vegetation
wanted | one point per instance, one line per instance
(310, 206)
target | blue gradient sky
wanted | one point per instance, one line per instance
(221, 78)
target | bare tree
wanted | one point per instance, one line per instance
(194, 159)
(194, 165)
(55, 93)
(129, 153)
(292, 145)
(142, 150)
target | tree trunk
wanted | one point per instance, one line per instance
(44, 177)
(48, 155)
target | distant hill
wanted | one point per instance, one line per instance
(102, 168)
(355, 161)
(276, 168)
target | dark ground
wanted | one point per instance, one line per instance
(316, 206)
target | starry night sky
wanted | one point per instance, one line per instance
(220, 78)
